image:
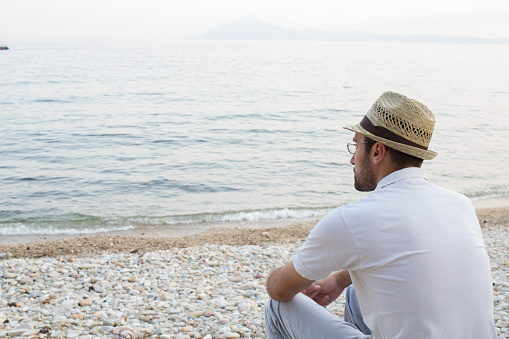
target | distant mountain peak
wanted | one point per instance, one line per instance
(253, 28)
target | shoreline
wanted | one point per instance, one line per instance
(142, 240)
(182, 231)
(188, 230)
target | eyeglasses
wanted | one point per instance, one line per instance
(352, 148)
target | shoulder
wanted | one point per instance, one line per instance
(334, 226)
(338, 223)
(362, 207)
(436, 194)
(332, 221)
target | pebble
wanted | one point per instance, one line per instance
(208, 292)
(85, 302)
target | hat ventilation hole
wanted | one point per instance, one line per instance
(409, 131)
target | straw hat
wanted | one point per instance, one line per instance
(400, 123)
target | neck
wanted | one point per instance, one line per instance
(387, 168)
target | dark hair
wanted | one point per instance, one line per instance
(400, 159)
(370, 142)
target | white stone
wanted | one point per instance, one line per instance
(15, 333)
(58, 334)
(30, 333)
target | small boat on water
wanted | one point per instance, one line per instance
(3, 47)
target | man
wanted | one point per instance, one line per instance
(413, 251)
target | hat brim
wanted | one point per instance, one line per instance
(414, 151)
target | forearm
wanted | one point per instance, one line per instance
(284, 283)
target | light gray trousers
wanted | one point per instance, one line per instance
(302, 318)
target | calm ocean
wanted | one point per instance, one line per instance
(99, 136)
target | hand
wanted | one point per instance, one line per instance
(325, 291)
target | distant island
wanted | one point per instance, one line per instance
(252, 28)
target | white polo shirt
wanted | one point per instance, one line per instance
(416, 257)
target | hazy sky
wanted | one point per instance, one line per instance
(169, 19)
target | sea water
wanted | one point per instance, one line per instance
(99, 136)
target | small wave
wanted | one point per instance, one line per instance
(150, 93)
(20, 179)
(110, 135)
(82, 224)
(71, 223)
(50, 101)
(188, 187)
(30, 229)
(488, 196)
(275, 214)
(239, 216)
(167, 141)
(488, 193)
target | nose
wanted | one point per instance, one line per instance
(352, 159)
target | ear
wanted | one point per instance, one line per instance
(379, 153)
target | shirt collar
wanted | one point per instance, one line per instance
(402, 174)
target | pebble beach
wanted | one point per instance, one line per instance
(209, 285)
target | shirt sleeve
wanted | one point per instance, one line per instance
(329, 247)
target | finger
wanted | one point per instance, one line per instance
(312, 292)
(310, 289)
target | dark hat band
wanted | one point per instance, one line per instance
(383, 132)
